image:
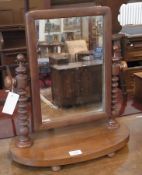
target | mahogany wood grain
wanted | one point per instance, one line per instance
(32, 46)
(132, 55)
(127, 161)
(138, 86)
(22, 112)
(92, 139)
(51, 148)
(115, 77)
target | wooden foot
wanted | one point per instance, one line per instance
(56, 168)
(111, 154)
(24, 144)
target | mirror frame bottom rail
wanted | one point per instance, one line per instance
(63, 122)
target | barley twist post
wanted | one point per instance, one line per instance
(22, 117)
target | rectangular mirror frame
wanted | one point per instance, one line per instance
(32, 53)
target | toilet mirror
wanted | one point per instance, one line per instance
(70, 65)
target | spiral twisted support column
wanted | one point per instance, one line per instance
(22, 117)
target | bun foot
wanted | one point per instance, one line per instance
(56, 168)
(111, 154)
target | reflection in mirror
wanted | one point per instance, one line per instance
(71, 66)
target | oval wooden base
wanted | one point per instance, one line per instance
(71, 145)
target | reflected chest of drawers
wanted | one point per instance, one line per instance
(76, 83)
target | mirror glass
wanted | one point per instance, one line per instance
(70, 66)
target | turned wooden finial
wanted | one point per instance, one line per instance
(20, 58)
(23, 117)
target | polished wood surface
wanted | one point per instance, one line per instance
(21, 80)
(127, 161)
(107, 136)
(52, 148)
(132, 55)
(132, 47)
(138, 86)
(12, 12)
(129, 78)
